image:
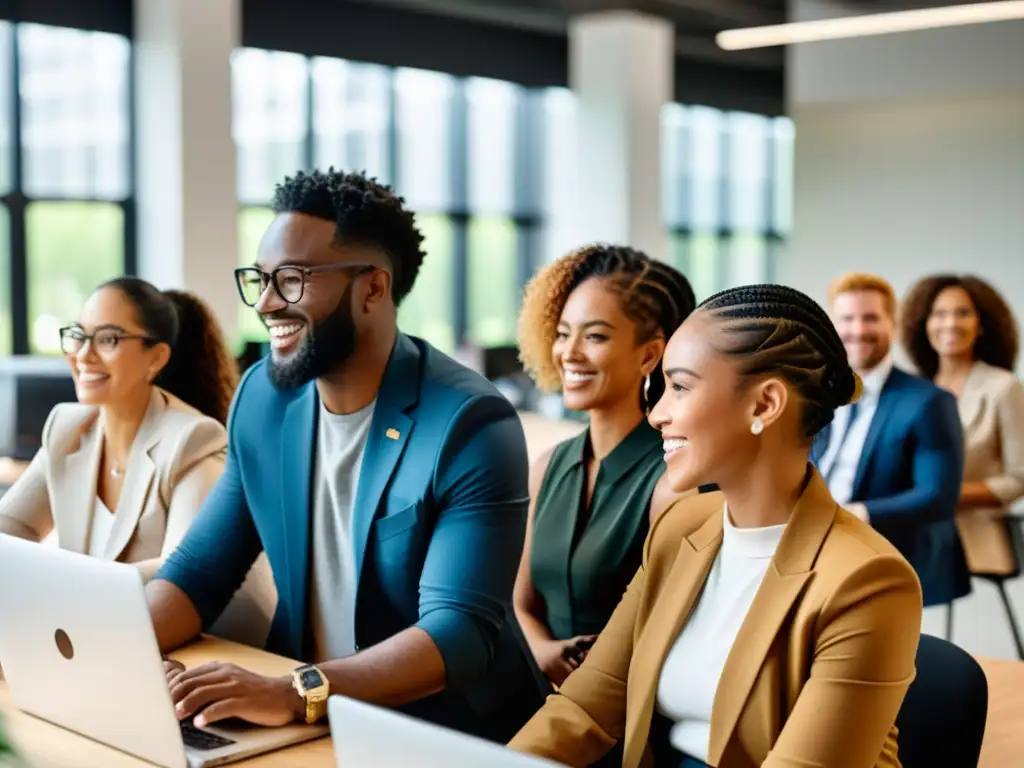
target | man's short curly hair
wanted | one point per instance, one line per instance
(998, 343)
(364, 212)
(655, 296)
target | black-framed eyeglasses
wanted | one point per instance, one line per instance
(288, 281)
(105, 341)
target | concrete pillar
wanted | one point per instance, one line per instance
(185, 156)
(621, 67)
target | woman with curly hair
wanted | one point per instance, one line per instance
(122, 473)
(767, 626)
(593, 325)
(961, 334)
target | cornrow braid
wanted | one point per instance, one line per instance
(657, 297)
(784, 332)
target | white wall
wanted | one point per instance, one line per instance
(914, 65)
(908, 189)
(909, 157)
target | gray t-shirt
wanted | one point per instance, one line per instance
(341, 439)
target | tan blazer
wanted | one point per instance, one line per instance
(816, 675)
(992, 413)
(177, 456)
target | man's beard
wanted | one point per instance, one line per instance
(325, 348)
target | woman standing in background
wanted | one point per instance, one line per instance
(594, 325)
(122, 473)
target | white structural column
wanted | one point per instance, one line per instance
(621, 67)
(187, 204)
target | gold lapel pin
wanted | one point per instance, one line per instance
(393, 434)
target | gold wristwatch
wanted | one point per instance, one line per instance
(314, 689)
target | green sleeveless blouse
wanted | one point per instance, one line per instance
(583, 560)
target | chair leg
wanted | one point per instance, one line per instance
(949, 622)
(1010, 618)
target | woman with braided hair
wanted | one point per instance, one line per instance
(767, 626)
(593, 325)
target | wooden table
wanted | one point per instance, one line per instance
(42, 745)
(1004, 731)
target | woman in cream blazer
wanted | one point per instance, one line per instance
(122, 473)
(961, 334)
(176, 457)
(766, 626)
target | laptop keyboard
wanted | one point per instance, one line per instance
(197, 738)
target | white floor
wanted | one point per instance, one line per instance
(980, 625)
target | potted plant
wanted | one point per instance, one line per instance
(6, 750)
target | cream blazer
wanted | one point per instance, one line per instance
(814, 679)
(992, 413)
(177, 456)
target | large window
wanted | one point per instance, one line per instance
(727, 185)
(490, 169)
(5, 282)
(270, 119)
(72, 248)
(351, 105)
(456, 149)
(65, 176)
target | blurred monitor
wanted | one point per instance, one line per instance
(29, 389)
(502, 363)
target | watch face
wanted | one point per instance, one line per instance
(310, 679)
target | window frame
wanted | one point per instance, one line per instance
(17, 201)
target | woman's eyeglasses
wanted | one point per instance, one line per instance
(105, 341)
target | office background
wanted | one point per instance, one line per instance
(145, 137)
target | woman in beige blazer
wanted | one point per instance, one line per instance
(766, 626)
(121, 474)
(962, 335)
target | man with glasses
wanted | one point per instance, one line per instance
(386, 483)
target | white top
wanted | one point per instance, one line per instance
(99, 530)
(690, 675)
(840, 482)
(340, 441)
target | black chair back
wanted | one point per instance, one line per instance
(942, 720)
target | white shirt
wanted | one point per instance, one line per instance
(341, 439)
(99, 530)
(692, 669)
(847, 459)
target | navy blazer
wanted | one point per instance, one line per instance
(909, 478)
(439, 521)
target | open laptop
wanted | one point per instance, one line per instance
(78, 650)
(366, 735)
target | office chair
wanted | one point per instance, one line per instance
(942, 720)
(1013, 523)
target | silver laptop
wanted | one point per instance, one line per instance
(78, 650)
(366, 735)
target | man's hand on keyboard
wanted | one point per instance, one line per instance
(217, 691)
(172, 669)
